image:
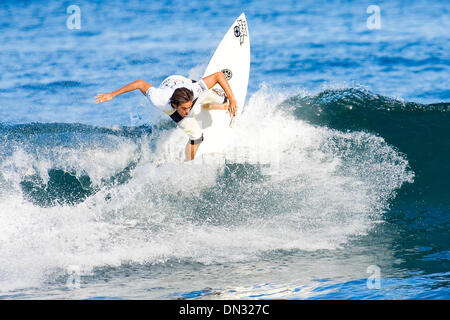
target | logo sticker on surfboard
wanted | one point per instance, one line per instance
(228, 74)
(240, 31)
(237, 31)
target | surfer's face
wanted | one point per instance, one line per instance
(184, 108)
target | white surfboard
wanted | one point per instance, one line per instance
(232, 57)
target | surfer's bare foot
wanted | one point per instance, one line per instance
(223, 106)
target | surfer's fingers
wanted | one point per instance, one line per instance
(103, 97)
(100, 98)
(232, 109)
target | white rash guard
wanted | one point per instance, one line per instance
(160, 98)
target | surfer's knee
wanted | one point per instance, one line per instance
(196, 141)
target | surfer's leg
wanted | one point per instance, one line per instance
(193, 130)
(191, 148)
(190, 151)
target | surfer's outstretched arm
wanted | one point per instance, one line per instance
(138, 84)
(220, 78)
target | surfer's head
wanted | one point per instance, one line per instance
(181, 101)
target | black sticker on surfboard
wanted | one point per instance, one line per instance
(237, 32)
(240, 31)
(228, 74)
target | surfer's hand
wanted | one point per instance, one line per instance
(103, 97)
(232, 107)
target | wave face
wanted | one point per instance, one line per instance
(302, 179)
(418, 131)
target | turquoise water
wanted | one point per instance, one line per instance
(336, 188)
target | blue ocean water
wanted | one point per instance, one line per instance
(337, 187)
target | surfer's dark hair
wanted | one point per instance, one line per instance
(180, 96)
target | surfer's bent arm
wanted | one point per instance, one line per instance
(138, 84)
(220, 78)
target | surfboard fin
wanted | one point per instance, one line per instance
(232, 121)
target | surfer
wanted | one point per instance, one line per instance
(175, 96)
